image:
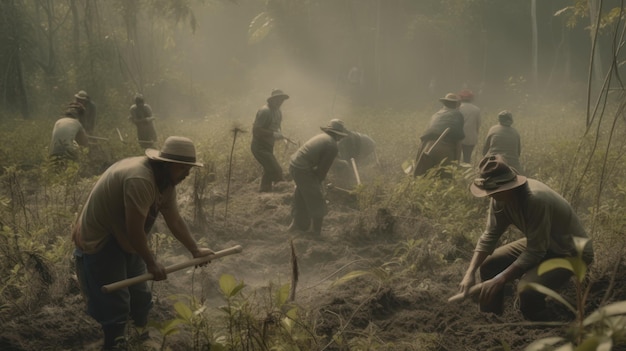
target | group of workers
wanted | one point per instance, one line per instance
(77, 125)
(453, 131)
(548, 222)
(111, 232)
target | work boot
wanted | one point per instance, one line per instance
(114, 336)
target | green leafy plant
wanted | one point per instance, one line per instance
(188, 315)
(601, 330)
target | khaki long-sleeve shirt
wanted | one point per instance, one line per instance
(546, 219)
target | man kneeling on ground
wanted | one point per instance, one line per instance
(549, 225)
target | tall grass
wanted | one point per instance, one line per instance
(38, 204)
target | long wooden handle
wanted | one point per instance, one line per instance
(290, 141)
(93, 137)
(472, 291)
(443, 135)
(356, 171)
(169, 269)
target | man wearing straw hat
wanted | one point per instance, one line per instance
(88, 119)
(308, 167)
(111, 233)
(265, 131)
(442, 139)
(549, 225)
(67, 135)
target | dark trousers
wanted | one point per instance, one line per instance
(532, 303)
(467, 153)
(272, 172)
(107, 266)
(308, 199)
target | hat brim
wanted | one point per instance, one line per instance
(334, 131)
(478, 192)
(444, 99)
(154, 154)
(278, 97)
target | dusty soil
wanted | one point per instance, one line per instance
(413, 312)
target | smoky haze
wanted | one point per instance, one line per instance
(406, 54)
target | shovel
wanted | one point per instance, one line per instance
(169, 269)
(425, 161)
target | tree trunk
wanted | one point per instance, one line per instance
(594, 15)
(535, 45)
(75, 31)
(12, 88)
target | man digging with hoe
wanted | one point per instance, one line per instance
(111, 234)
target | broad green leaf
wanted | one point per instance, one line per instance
(549, 292)
(350, 276)
(580, 268)
(596, 343)
(283, 294)
(573, 264)
(292, 313)
(183, 310)
(229, 285)
(554, 263)
(539, 345)
(613, 309)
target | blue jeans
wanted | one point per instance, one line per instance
(109, 265)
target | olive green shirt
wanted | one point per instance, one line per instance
(316, 155)
(266, 122)
(546, 219)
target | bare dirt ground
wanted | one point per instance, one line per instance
(414, 312)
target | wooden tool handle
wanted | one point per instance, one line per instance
(472, 291)
(356, 171)
(443, 135)
(169, 269)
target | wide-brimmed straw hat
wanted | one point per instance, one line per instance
(278, 94)
(335, 126)
(82, 95)
(175, 149)
(450, 97)
(495, 176)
